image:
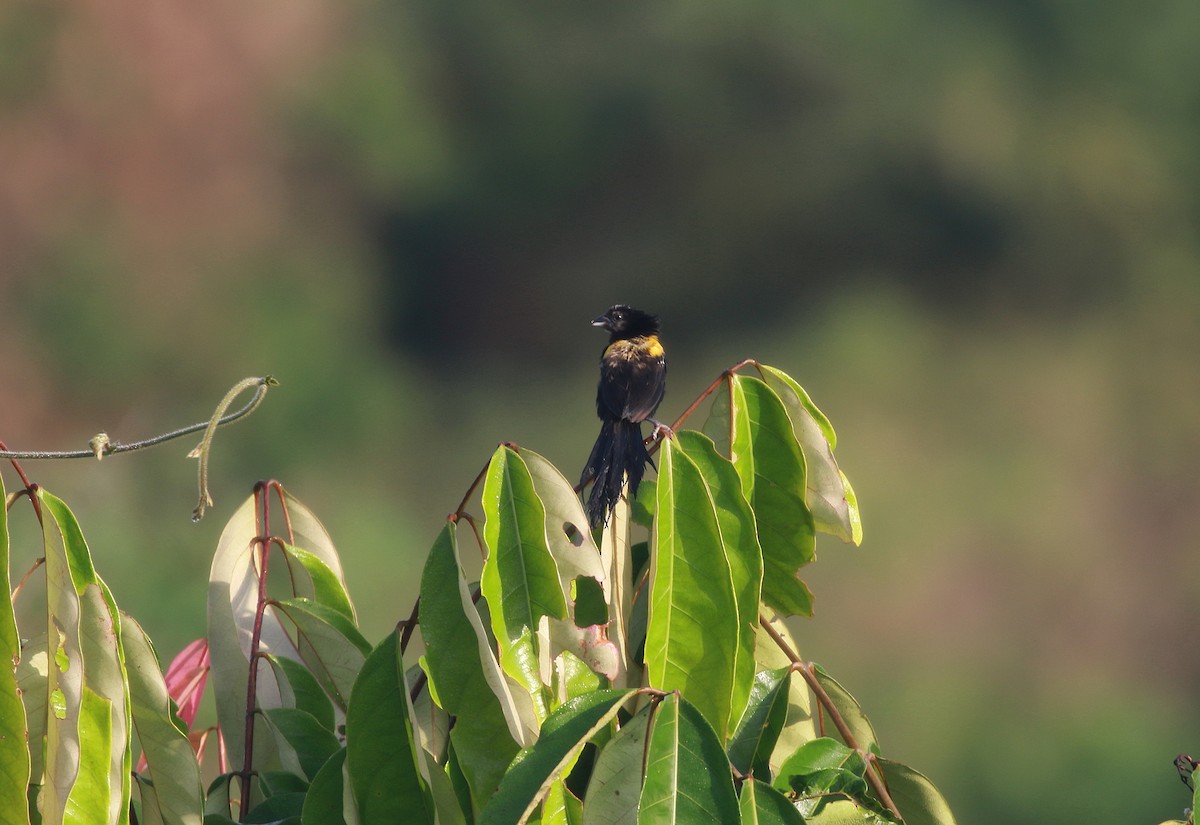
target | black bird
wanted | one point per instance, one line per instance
(633, 378)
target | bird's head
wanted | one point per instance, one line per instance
(623, 321)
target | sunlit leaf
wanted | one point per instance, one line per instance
(331, 647)
(88, 760)
(232, 600)
(325, 586)
(174, 792)
(310, 534)
(381, 756)
(572, 677)
(561, 807)
(576, 556)
(520, 579)
(771, 465)
(564, 733)
(687, 772)
(743, 555)
(14, 750)
(694, 632)
(832, 502)
(32, 675)
(760, 804)
(464, 672)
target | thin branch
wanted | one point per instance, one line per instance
(462, 505)
(30, 487)
(204, 448)
(100, 446)
(806, 671)
(263, 542)
(17, 590)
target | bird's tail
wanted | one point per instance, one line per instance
(619, 453)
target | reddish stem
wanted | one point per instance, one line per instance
(807, 672)
(263, 541)
(17, 590)
(30, 487)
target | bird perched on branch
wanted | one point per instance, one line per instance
(633, 378)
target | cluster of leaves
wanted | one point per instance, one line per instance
(581, 679)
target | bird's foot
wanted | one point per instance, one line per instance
(661, 430)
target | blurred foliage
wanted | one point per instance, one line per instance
(968, 228)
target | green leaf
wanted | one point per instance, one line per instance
(742, 553)
(14, 750)
(822, 770)
(282, 809)
(175, 793)
(324, 803)
(573, 677)
(309, 533)
(642, 507)
(298, 688)
(771, 465)
(564, 733)
(616, 783)
(445, 800)
(463, 672)
(687, 772)
(380, 755)
(331, 647)
(830, 497)
(277, 782)
(217, 798)
(850, 710)
(520, 579)
(87, 759)
(232, 599)
(799, 726)
(760, 804)
(324, 585)
(561, 807)
(754, 740)
(431, 723)
(694, 635)
(576, 557)
(32, 674)
(916, 797)
(300, 732)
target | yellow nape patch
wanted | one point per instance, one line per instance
(635, 348)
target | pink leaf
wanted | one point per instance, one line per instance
(186, 677)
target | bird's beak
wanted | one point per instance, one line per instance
(602, 321)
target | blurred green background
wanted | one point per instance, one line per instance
(968, 229)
